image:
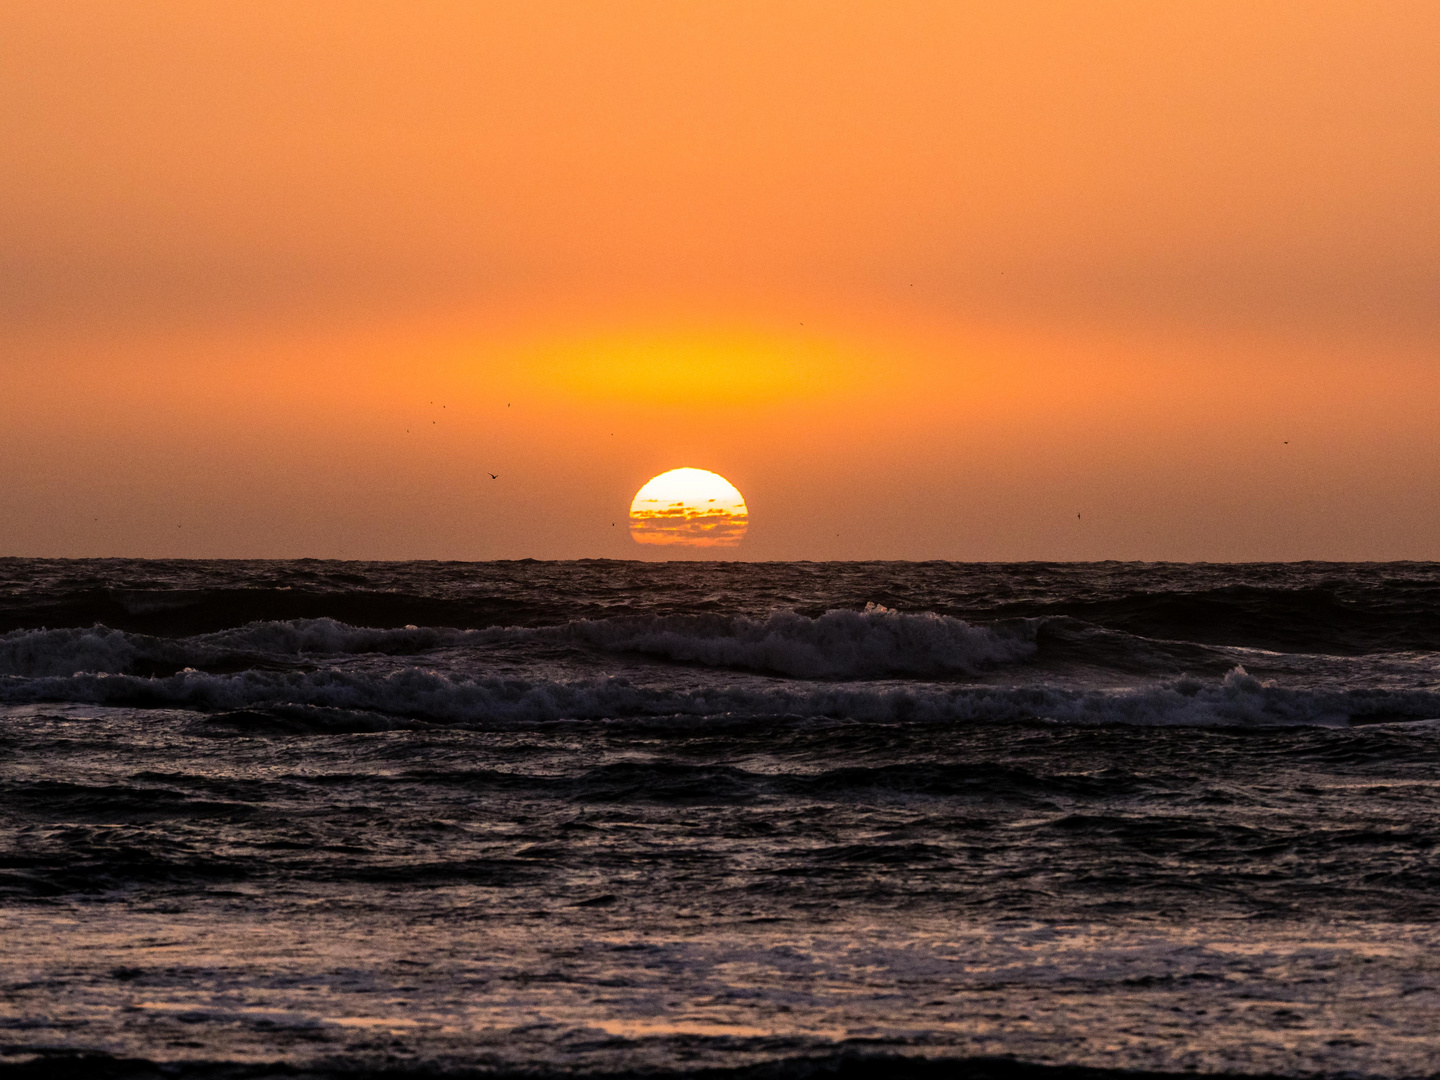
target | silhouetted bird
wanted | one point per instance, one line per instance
(494, 477)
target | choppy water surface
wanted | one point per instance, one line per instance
(599, 816)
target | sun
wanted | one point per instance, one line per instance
(689, 508)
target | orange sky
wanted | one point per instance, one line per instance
(921, 279)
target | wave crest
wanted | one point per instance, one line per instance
(838, 644)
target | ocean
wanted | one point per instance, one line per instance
(771, 819)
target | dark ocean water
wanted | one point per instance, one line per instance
(598, 817)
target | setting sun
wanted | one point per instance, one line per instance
(689, 508)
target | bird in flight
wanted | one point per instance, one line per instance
(494, 477)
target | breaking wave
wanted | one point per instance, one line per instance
(412, 694)
(838, 644)
(37, 653)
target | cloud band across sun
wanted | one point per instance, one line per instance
(689, 508)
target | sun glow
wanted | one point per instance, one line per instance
(689, 508)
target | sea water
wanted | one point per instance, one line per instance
(593, 817)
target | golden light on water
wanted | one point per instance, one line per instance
(689, 508)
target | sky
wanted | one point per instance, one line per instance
(974, 281)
